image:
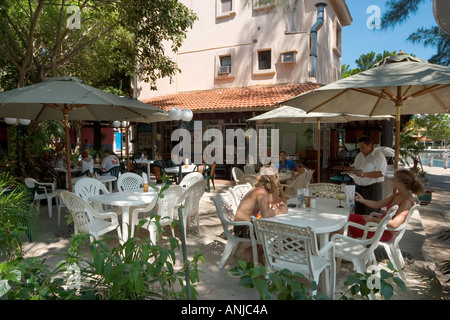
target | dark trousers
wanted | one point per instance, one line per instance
(371, 192)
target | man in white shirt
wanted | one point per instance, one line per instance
(370, 165)
(110, 160)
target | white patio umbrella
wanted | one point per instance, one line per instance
(68, 98)
(296, 115)
(399, 84)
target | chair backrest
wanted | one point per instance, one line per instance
(247, 178)
(87, 187)
(226, 210)
(114, 171)
(282, 242)
(191, 178)
(30, 183)
(166, 204)
(200, 168)
(129, 181)
(237, 174)
(309, 177)
(81, 211)
(400, 230)
(300, 181)
(249, 169)
(239, 191)
(325, 190)
(192, 197)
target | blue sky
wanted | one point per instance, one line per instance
(358, 39)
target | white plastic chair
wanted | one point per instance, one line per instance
(226, 210)
(325, 190)
(392, 248)
(191, 178)
(166, 207)
(87, 220)
(248, 178)
(191, 198)
(129, 181)
(295, 248)
(299, 183)
(361, 251)
(88, 187)
(44, 191)
(239, 191)
(248, 169)
(237, 174)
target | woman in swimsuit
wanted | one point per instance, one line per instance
(266, 199)
(406, 185)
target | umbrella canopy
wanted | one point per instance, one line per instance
(68, 98)
(399, 84)
(296, 115)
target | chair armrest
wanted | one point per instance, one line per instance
(329, 247)
(349, 239)
(104, 215)
(50, 184)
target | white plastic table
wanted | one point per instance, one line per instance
(147, 162)
(325, 218)
(125, 200)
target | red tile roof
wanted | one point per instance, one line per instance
(232, 99)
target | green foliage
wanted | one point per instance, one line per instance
(398, 11)
(286, 285)
(17, 217)
(365, 62)
(112, 39)
(134, 270)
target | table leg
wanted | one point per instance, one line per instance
(125, 222)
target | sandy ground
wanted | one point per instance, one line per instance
(420, 245)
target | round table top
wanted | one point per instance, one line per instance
(126, 198)
(326, 217)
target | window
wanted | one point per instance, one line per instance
(226, 5)
(263, 4)
(224, 8)
(225, 64)
(337, 46)
(264, 59)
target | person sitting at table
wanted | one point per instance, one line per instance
(286, 164)
(406, 185)
(60, 160)
(110, 160)
(86, 163)
(266, 199)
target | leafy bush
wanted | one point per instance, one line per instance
(18, 218)
(285, 285)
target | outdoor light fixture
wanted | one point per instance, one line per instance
(116, 124)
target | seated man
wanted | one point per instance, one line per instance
(286, 164)
(110, 160)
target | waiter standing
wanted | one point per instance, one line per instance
(370, 167)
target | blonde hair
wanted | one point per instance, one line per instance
(410, 181)
(268, 179)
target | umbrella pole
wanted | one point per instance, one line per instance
(318, 151)
(126, 147)
(66, 128)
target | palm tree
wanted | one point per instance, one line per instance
(400, 10)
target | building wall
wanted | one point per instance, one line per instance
(244, 31)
